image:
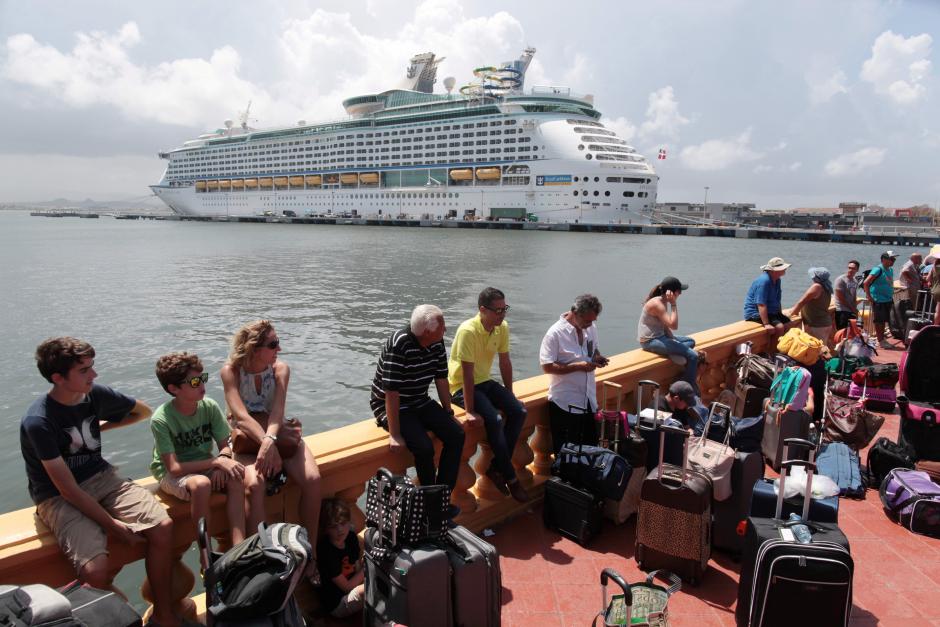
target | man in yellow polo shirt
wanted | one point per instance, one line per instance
(478, 340)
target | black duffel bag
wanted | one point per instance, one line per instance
(598, 470)
(883, 457)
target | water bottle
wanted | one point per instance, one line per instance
(801, 532)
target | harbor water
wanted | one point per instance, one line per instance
(138, 289)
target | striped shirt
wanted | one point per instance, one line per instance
(408, 368)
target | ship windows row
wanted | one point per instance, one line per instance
(607, 193)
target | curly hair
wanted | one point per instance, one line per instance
(172, 368)
(334, 512)
(57, 355)
(246, 340)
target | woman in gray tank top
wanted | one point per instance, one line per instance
(658, 319)
(814, 304)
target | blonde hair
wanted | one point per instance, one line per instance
(246, 340)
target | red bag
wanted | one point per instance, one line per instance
(876, 376)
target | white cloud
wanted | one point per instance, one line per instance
(621, 125)
(718, 154)
(763, 169)
(796, 165)
(118, 177)
(822, 89)
(855, 162)
(899, 66)
(662, 115)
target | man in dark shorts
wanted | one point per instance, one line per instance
(762, 303)
(78, 494)
(879, 287)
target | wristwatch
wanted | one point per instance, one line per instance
(273, 438)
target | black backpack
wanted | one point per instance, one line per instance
(256, 577)
(884, 456)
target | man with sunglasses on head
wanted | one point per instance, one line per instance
(477, 342)
(78, 494)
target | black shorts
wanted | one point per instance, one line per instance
(882, 311)
(843, 317)
(777, 318)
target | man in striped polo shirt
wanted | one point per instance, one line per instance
(411, 359)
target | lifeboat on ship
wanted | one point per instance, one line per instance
(332, 179)
(461, 174)
(314, 180)
(251, 183)
(212, 186)
(297, 181)
(200, 186)
(280, 182)
(238, 184)
(369, 178)
(267, 182)
(488, 174)
(349, 179)
(225, 185)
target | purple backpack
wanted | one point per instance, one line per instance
(913, 499)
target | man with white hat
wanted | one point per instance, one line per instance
(762, 303)
(879, 287)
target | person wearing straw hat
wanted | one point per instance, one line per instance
(814, 305)
(762, 303)
(879, 288)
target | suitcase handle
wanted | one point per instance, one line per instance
(715, 408)
(610, 573)
(685, 450)
(646, 383)
(611, 384)
(807, 496)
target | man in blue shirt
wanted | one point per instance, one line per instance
(762, 303)
(879, 287)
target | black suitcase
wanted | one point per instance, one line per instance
(916, 323)
(764, 496)
(673, 530)
(730, 515)
(748, 399)
(571, 511)
(782, 425)
(477, 579)
(784, 582)
(647, 429)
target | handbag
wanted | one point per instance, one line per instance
(849, 422)
(288, 438)
(714, 459)
(403, 512)
(643, 604)
(801, 346)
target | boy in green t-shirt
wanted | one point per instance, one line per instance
(183, 432)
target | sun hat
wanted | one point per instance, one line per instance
(889, 254)
(776, 264)
(821, 275)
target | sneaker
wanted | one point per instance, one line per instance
(702, 358)
(497, 478)
(517, 491)
(678, 359)
(885, 344)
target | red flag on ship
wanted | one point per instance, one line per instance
(662, 154)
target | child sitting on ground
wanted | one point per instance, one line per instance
(183, 431)
(338, 558)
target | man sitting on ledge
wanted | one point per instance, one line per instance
(78, 494)
(762, 303)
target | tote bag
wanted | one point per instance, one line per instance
(713, 459)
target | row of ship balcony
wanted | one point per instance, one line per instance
(457, 176)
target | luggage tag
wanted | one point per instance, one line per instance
(786, 534)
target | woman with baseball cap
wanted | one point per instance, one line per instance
(658, 319)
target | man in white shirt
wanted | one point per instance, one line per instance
(569, 355)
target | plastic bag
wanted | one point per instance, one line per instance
(823, 486)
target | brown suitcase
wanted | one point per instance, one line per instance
(931, 468)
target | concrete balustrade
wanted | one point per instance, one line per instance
(348, 456)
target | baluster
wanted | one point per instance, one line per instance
(462, 497)
(484, 487)
(522, 456)
(541, 445)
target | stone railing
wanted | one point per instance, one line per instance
(348, 456)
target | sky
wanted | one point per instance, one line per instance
(783, 104)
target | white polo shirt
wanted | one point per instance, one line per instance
(560, 345)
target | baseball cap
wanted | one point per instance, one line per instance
(889, 254)
(673, 284)
(776, 264)
(683, 390)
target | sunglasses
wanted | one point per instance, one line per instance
(195, 382)
(498, 310)
(273, 344)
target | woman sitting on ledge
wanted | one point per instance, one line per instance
(659, 318)
(268, 445)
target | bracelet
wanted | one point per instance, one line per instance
(273, 438)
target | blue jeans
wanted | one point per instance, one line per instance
(677, 345)
(489, 398)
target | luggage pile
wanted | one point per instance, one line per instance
(74, 605)
(434, 575)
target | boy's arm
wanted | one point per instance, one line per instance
(64, 481)
(346, 585)
(140, 411)
(178, 468)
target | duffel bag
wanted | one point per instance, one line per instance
(878, 375)
(911, 498)
(843, 367)
(884, 456)
(801, 346)
(99, 608)
(755, 369)
(598, 470)
(403, 512)
(35, 604)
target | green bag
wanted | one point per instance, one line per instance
(645, 603)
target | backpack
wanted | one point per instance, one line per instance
(878, 375)
(754, 369)
(75, 605)
(257, 577)
(801, 346)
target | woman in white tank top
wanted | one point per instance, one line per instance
(255, 382)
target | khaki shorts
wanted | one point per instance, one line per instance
(80, 537)
(176, 485)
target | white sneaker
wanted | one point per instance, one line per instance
(678, 359)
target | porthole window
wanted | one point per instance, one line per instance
(575, 179)
(596, 193)
(575, 192)
(597, 179)
(580, 146)
(588, 156)
(607, 193)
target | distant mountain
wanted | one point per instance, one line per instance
(150, 204)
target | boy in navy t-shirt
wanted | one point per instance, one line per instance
(77, 493)
(338, 558)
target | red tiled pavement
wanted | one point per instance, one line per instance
(550, 580)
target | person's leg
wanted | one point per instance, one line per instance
(254, 485)
(680, 346)
(350, 603)
(936, 314)
(514, 415)
(199, 488)
(158, 563)
(302, 469)
(419, 444)
(235, 508)
(450, 432)
(495, 434)
(559, 423)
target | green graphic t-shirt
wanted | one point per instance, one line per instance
(190, 438)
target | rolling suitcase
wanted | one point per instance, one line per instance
(573, 512)
(780, 425)
(673, 530)
(633, 448)
(477, 579)
(647, 429)
(764, 496)
(785, 582)
(748, 399)
(613, 423)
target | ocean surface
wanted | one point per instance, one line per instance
(138, 289)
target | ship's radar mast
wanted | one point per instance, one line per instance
(243, 117)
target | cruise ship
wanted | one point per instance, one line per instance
(489, 149)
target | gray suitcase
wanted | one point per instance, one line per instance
(477, 579)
